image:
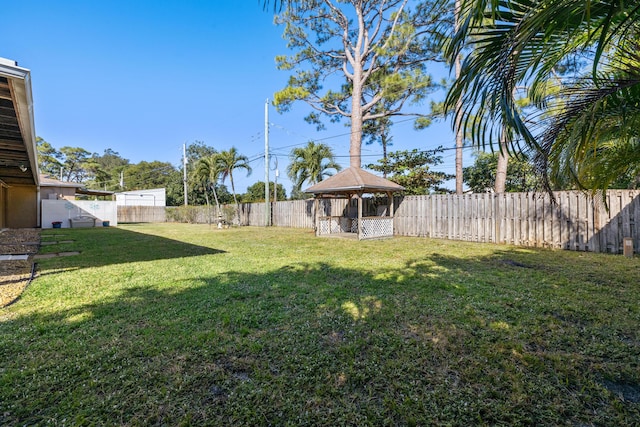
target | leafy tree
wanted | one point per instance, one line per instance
(48, 158)
(175, 190)
(255, 192)
(310, 164)
(147, 175)
(96, 177)
(411, 169)
(371, 51)
(199, 150)
(580, 61)
(297, 194)
(228, 161)
(521, 175)
(378, 130)
(74, 162)
(110, 160)
(105, 170)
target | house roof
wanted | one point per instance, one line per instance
(352, 180)
(18, 155)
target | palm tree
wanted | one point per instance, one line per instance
(311, 164)
(227, 162)
(580, 62)
(207, 172)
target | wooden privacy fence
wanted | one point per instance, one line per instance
(290, 213)
(575, 222)
(141, 214)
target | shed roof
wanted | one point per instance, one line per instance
(46, 181)
(354, 179)
(89, 192)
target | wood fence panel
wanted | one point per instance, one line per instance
(421, 216)
(561, 203)
(433, 224)
(549, 222)
(635, 221)
(583, 221)
(483, 226)
(625, 218)
(517, 218)
(556, 226)
(612, 229)
(141, 214)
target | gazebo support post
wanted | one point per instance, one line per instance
(392, 212)
(316, 206)
(359, 216)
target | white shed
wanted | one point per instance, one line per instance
(152, 197)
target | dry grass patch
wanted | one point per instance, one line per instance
(15, 274)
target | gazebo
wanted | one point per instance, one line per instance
(350, 183)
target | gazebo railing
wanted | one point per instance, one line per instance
(334, 225)
(373, 227)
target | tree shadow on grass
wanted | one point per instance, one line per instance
(433, 343)
(108, 246)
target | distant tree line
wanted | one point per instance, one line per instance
(112, 172)
(208, 172)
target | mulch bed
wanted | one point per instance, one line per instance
(15, 274)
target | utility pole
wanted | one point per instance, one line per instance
(184, 167)
(275, 185)
(267, 203)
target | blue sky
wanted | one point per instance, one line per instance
(144, 77)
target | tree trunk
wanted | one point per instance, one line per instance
(215, 196)
(501, 170)
(355, 141)
(206, 197)
(235, 199)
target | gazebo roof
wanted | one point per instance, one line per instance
(353, 180)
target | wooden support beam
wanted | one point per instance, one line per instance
(316, 205)
(359, 216)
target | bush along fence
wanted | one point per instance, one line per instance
(576, 221)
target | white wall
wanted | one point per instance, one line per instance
(62, 210)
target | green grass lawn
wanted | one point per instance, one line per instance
(175, 324)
